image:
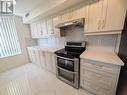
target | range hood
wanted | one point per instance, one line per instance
(76, 22)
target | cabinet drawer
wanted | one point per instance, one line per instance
(99, 79)
(96, 90)
(98, 66)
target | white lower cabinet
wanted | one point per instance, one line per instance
(54, 63)
(43, 59)
(99, 78)
(49, 63)
(34, 56)
(37, 57)
(95, 89)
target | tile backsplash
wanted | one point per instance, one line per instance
(96, 42)
(102, 42)
(53, 41)
(72, 34)
(31, 42)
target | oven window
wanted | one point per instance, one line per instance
(66, 75)
(66, 64)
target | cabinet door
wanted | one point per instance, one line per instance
(67, 16)
(56, 21)
(54, 63)
(39, 29)
(42, 59)
(115, 17)
(94, 17)
(96, 77)
(79, 13)
(30, 54)
(96, 90)
(50, 26)
(33, 56)
(44, 28)
(49, 62)
(36, 57)
(33, 30)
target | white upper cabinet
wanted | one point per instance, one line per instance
(115, 15)
(74, 14)
(44, 28)
(56, 21)
(67, 16)
(79, 13)
(94, 17)
(102, 16)
(32, 30)
(105, 15)
(39, 29)
(50, 26)
(33, 27)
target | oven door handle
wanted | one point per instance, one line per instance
(74, 59)
(67, 70)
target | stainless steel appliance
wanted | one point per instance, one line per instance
(68, 63)
(77, 22)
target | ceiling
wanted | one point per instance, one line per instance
(25, 6)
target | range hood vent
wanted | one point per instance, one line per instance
(77, 22)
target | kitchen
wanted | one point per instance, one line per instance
(68, 47)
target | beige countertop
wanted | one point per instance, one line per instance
(47, 49)
(106, 57)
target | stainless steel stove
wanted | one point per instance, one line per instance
(68, 63)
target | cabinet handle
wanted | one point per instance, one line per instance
(103, 24)
(99, 24)
(99, 78)
(97, 66)
(52, 33)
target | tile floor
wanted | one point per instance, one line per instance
(32, 80)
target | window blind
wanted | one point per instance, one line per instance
(9, 43)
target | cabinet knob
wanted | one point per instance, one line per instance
(103, 24)
(97, 66)
(99, 24)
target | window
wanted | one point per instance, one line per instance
(9, 43)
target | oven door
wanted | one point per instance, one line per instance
(72, 78)
(68, 63)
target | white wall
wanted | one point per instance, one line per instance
(14, 61)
